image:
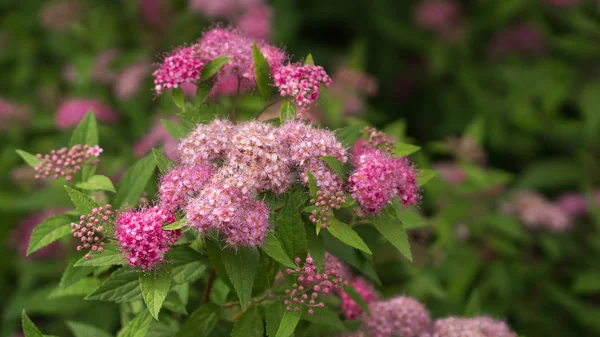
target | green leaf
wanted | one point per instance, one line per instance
(474, 305)
(121, 286)
(30, 159)
(349, 135)
(395, 233)
(312, 185)
(273, 315)
(201, 322)
(109, 257)
(324, 316)
(178, 98)
(162, 162)
(80, 288)
(288, 323)
(309, 60)
(97, 182)
(50, 230)
(272, 247)
(85, 330)
(213, 67)
(29, 329)
(137, 327)
(403, 150)
(263, 73)
(215, 252)
(86, 133)
(241, 267)
(187, 264)
(425, 176)
(316, 247)
(410, 220)
(176, 131)
(587, 282)
(174, 303)
(250, 324)
(548, 174)
(176, 225)
(357, 298)
(83, 203)
(287, 112)
(134, 181)
(155, 286)
(347, 235)
(290, 230)
(72, 274)
(336, 165)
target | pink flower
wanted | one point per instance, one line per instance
(256, 22)
(72, 112)
(476, 326)
(66, 162)
(23, 236)
(59, 15)
(221, 8)
(352, 87)
(520, 39)
(180, 66)
(301, 82)
(182, 183)
(207, 142)
(153, 12)
(11, 112)
(227, 86)
(142, 238)
(350, 308)
(536, 212)
(573, 203)
(441, 17)
(451, 173)
(91, 228)
(101, 70)
(400, 317)
(157, 137)
(130, 79)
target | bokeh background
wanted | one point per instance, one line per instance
(502, 96)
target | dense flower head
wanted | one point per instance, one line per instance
(91, 228)
(142, 237)
(399, 317)
(66, 162)
(206, 142)
(471, 327)
(519, 39)
(536, 212)
(181, 183)
(130, 79)
(10, 111)
(309, 283)
(180, 66)
(157, 136)
(380, 140)
(301, 82)
(255, 22)
(351, 309)
(72, 111)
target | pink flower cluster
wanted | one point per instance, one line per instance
(181, 183)
(90, 229)
(575, 204)
(66, 162)
(301, 82)
(440, 16)
(142, 237)
(130, 79)
(400, 316)
(255, 21)
(59, 15)
(520, 39)
(476, 326)
(351, 309)
(536, 212)
(10, 111)
(309, 283)
(351, 87)
(378, 178)
(221, 8)
(180, 66)
(451, 172)
(72, 112)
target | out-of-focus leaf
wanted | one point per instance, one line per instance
(30, 159)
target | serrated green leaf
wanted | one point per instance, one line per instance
(241, 266)
(109, 257)
(121, 286)
(349, 135)
(201, 322)
(155, 286)
(30, 159)
(215, 252)
(425, 176)
(50, 230)
(187, 264)
(273, 315)
(250, 324)
(403, 150)
(137, 327)
(176, 131)
(263, 73)
(473, 305)
(324, 316)
(176, 225)
(290, 230)
(83, 203)
(178, 98)
(162, 162)
(72, 274)
(288, 323)
(134, 181)
(316, 248)
(347, 235)
(312, 185)
(213, 67)
(410, 220)
(80, 288)
(174, 303)
(287, 111)
(309, 60)
(357, 298)
(86, 132)
(29, 329)
(394, 232)
(336, 165)
(272, 247)
(85, 330)
(97, 182)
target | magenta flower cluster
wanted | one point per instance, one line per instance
(142, 237)
(350, 308)
(309, 283)
(400, 316)
(476, 326)
(301, 82)
(91, 228)
(66, 162)
(180, 66)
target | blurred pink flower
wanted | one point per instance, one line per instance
(153, 12)
(59, 15)
(72, 111)
(256, 21)
(536, 212)
(157, 137)
(23, 232)
(101, 71)
(228, 87)
(11, 112)
(520, 39)
(440, 16)
(450, 172)
(352, 87)
(130, 79)
(563, 3)
(220, 8)
(573, 203)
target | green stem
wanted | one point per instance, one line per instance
(235, 100)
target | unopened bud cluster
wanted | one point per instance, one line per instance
(91, 228)
(66, 162)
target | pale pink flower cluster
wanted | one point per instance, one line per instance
(351, 309)
(378, 178)
(157, 136)
(470, 327)
(255, 21)
(180, 66)
(536, 212)
(309, 283)
(352, 87)
(400, 317)
(301, 82)
(12, 112)
(72, 111)
(142, 237)
(181, 183)
(440, 16)
(66, 162)
(221, 8)
(130, 79)
(450, 172)
(519, 39)
(59, 15)
(379, 140)
(91, 228)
